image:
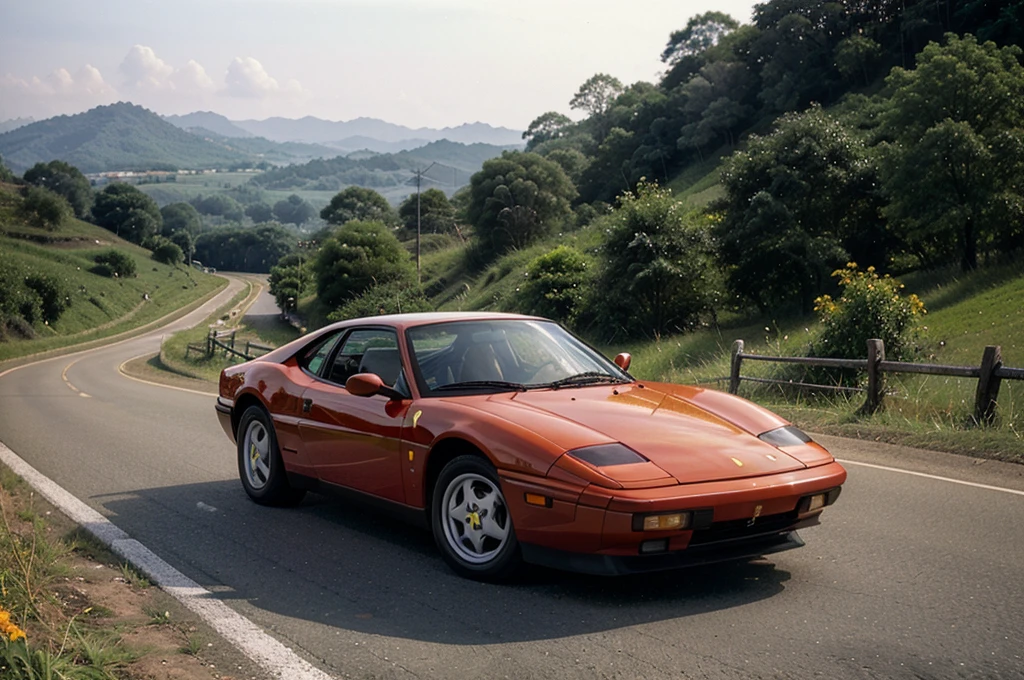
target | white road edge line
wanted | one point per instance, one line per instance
(269, 653)
(935, 477)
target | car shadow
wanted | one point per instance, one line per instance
(340, 565)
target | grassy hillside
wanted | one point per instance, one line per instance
(100, 306)
(116, 137)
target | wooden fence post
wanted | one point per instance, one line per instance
(988, 386)
(209, 342)
(876, 381)
(734, 367)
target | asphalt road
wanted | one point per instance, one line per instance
(908, 577)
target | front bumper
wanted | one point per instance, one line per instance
(593, 532)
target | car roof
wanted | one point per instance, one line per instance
(403, 321)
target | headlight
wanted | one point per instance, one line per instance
(785, 436)
(605, 455)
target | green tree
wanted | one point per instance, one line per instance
(437, 216)
(702, 32)
(245, 249)
(550, 125)
(65, 180)
(5, 173)
(658, 272)
(259, 212)
(359, 255)
(358, 203)
(953, 171)
(219, 205)
(181, 217)
(186, 241)
(54, 295)
(798, 203)
(595, 96)
(44, 208)
(293, 210)
(517, 198)
(126, 211)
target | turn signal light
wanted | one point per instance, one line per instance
(676, 520)
(538, 500)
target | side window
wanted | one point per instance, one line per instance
(369, 350)
(314, 357)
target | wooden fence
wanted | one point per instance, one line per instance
(225, 341)
(989, 374)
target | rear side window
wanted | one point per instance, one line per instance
(313, 358)
(369, 350)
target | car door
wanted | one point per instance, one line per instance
(353, 441)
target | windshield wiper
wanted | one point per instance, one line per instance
(482, 384)
(588, 378)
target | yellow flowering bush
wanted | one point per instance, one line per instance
(870, 306)
(8, 629)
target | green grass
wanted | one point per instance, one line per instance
(100, 307)
(197, 365)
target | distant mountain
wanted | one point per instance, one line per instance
(261, 149)
(208, 120)
(121, 136)
(14, 124)
(454, 164)
(316, 130)
(361, 143)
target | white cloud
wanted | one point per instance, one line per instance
(247, 78)
(143, 70)
(192, 77)
(59, 92)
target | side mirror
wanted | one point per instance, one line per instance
(369, 384)
(623, 360)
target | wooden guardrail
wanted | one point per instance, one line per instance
(989, 374)
(225, 340)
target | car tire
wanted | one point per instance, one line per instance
(260, 466)
(471, 521)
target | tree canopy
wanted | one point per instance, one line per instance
(359, 255)
(517, 198)
(65, 180)
(357, 203)
(437, 216)
(127, 212)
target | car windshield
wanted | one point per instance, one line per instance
(505, 355)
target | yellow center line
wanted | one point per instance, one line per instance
(122, 371)
(64, 376)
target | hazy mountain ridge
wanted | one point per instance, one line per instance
(316, 130)
(120, 136)
(14, 124)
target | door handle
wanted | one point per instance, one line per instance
(307, 404)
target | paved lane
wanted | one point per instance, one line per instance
(909, 577)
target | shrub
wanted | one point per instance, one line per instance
(44, 208)
(393, 297)
(360, 255)
(54, 295)
(168, 253)
(114, 263)
(554, 286)
(870, 306)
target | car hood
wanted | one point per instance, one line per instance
(669, 425)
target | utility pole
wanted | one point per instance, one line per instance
(419, 178)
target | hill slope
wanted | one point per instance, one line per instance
(100, 306)
(121, 136)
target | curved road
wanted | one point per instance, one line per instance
(910, 576)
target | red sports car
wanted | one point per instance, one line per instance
(514, 441)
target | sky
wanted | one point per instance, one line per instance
(419, 63)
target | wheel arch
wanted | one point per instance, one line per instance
(443, 452)
(242, 404)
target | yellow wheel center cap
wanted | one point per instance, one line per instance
(473, 519)
(254, 455)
